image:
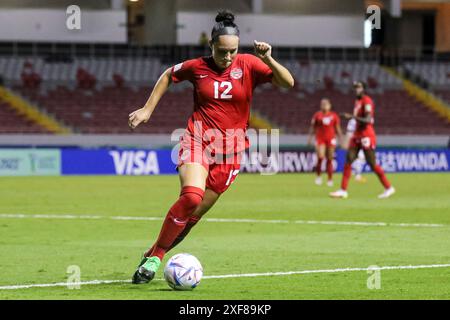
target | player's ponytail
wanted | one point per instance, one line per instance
(224, 25)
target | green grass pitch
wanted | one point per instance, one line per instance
(39, 250)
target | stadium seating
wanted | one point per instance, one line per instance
(436, 74)
(93, 95)
(444, 95)
(106, 111)
(396, 112)
(11, 122)
(342, 74)
(137, 70)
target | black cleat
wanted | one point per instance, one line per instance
(146, 270)
(142, 275)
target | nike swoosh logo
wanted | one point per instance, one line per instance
(203, 76)
(178, 221)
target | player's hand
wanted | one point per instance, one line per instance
(137, 117)
(309, 141)
(347, 115)
(263, 50)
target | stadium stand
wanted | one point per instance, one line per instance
(106, 110)
(396, 111)
(131, 69)
(95, 95)
(12, 122)
(435, 75)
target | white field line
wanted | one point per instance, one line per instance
(126, 218)
(242, 275)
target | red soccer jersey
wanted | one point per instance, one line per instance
(364, 107)
(325, 124)
(222, 98)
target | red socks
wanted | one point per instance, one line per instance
(177, 219)
(377, 169)
(319, 166)
(330, 169)
(346, 176)
(190, 224)
(380, 173)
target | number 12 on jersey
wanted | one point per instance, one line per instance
(224, 95)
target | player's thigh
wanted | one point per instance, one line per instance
(347, 139)
(193, 175)
(368, 144)
(352, 154)
(330, 152)
(320, 150)
(370, 157)
(209, 199)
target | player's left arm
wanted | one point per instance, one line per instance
(368, 115)
(281, 76)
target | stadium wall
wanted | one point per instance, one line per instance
(281, 30)
(49, 25)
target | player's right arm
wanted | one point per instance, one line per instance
(143, 114)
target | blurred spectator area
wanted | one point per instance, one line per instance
(95, 95)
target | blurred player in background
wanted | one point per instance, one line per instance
(358, 164)
(363, 138)
(325, 124)
(223, 89)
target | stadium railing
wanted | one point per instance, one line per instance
(173, 53)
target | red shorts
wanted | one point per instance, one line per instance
(222, 169)
(328, 142)
(368, 142)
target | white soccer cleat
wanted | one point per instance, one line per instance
(387, 193)
(318, 181)
(330, 183)
(339, 194)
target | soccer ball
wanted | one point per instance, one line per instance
(183, 272)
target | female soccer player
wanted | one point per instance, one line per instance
(325, 124)
(223, 89)
(363, 138)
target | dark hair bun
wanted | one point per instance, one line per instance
(225, 15)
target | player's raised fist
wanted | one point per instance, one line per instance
(262, 49)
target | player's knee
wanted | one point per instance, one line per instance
(191, 197)
(191, 201)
